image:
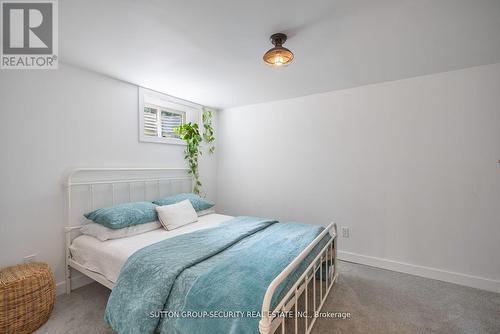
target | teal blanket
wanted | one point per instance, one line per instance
(227, 268)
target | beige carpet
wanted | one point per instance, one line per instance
(379, 301)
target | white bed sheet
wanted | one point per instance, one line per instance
(108, 257)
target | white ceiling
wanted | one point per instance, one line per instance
(210, 52)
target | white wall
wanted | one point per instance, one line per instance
(410, 166)
(51, 121)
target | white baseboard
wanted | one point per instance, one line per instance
(427, 272)
(77, 281)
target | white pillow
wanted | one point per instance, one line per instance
(176, 215)
(104, 233)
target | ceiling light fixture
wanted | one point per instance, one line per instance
(278, 56)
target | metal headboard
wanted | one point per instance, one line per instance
(135, 180)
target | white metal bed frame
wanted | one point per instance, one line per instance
(271, 319)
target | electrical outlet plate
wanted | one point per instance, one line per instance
(30, 258)
(345, 232)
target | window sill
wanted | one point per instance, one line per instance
(157, 140)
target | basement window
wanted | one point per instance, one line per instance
(160, 122)
(159, 114)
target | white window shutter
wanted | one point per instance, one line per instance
(169, 121)
(150, 121)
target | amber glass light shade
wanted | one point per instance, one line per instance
(279, 55)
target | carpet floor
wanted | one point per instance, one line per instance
(379, 301)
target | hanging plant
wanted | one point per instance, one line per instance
(208, 135)
(190, 133)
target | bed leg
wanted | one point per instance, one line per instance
(335, 254)
(68, 280)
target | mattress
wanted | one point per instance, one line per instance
(108, 257)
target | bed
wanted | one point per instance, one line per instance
(88, 188)
(108, 257)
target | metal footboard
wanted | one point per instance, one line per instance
(298, 309)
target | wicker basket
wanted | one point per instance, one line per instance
(27, 295)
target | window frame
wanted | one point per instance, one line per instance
(161, 102)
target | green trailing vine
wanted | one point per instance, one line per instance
(208, 135)
(190, 133)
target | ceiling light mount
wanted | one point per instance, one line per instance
(278, 39)
(278, 56)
